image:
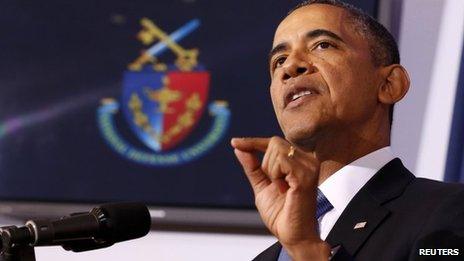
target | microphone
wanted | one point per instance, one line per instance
(101, 227)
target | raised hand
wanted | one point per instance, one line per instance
(284, 185)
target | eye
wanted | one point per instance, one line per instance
(279, 61)
(324, 45)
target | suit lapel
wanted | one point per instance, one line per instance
(343, 233)
(365, 210)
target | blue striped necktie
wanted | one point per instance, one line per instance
(323, 206)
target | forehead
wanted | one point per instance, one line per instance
(315, 16)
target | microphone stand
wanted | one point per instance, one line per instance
(15, 244)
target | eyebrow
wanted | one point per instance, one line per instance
(309, 35)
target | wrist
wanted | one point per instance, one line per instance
(309, 250)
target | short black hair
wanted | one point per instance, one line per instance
(382, 44)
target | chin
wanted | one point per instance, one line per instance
(301, 136)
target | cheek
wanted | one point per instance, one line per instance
(355, 99)
(274, 98)
(351, 88)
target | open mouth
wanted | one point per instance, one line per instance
(297, 94)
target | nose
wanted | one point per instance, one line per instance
(295, 65)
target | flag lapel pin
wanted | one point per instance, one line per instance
(360, 225)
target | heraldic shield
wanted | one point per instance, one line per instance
(162, 108)
(162, 103)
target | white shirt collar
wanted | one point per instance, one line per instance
(343, 185)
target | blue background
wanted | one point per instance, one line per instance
(75, 53)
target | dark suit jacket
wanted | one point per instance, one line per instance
(403, 213)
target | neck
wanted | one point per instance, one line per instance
(337, 150)
(336, 161)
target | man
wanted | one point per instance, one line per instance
(331, 187)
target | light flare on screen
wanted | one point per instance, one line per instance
(51, 112)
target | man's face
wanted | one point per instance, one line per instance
(323, 77)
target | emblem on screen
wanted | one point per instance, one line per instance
(162, 103)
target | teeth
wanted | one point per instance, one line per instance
(300, 94)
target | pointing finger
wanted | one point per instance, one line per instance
(250, 144)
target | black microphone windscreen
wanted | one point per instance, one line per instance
(125, 221)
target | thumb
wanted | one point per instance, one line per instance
(252, 169)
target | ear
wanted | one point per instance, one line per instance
(395, 85)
